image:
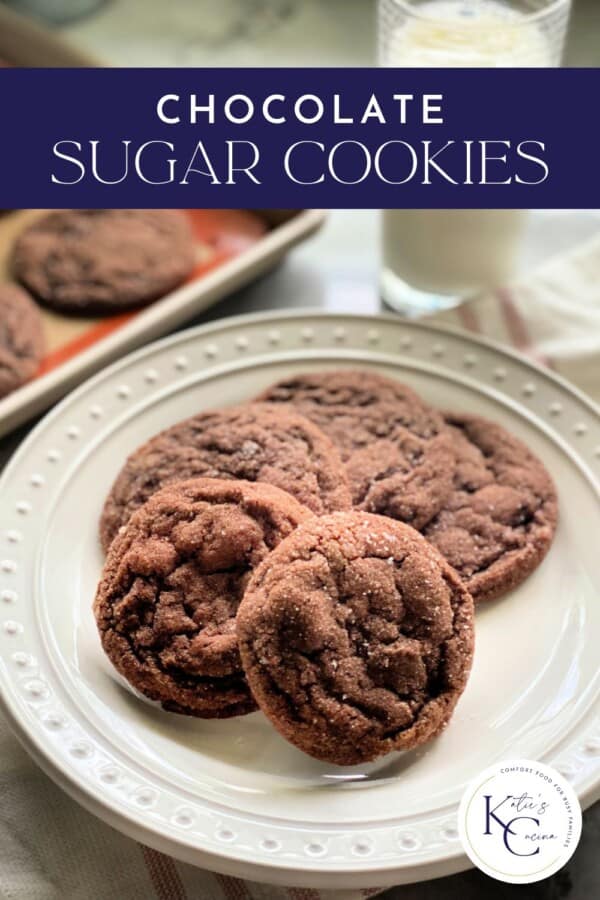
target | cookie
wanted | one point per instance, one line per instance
(102, 261)
(256, 443)
(356, 637)
(172, 581)
(501, 517)
(21, 338)
(397, 451)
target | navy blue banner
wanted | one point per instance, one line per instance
(390, 138)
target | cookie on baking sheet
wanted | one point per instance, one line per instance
(397, 451)
(21, 338)
(356, 637)
(501, 517)
(167, 600)
(103, 261)
(257, 442)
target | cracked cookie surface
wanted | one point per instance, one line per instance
(397, 451)
(172, 582)
(501, 516)
(21, 338)
(257, 442)
(102, 261)
(356, 637)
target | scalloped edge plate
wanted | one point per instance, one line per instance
(48, 714)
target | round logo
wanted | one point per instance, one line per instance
(519, 821)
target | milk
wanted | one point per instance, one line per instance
(467, 33)
(455, 253)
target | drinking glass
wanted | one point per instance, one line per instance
(435, 259)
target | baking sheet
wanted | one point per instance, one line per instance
(220, 235)
(234, 247)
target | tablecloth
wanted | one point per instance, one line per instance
(51, 848)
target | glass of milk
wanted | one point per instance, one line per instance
(435, 259)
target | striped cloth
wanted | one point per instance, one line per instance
(50, 848)
(552, 315)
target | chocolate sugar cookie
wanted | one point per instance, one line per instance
(397, 451)
(171, 585)
(356, 637)
(102, 261)
(500, 519)
(256, 442)
(21, 338)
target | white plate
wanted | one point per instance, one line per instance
(232, 795)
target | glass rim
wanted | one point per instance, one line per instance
(554, 5)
